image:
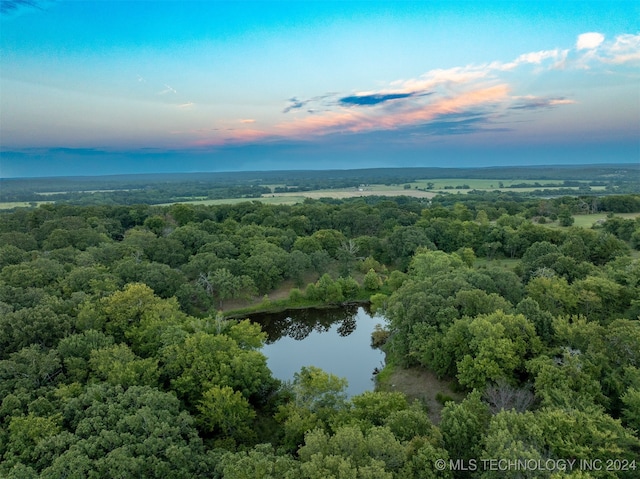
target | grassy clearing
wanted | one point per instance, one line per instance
(420, 384)
(271, 200)
(515, 190)
(291, 198)
(508, 264)
(587, 221)
(50, 193)
(9, 205)
(372, 190)
(455, 185)
(480, 184)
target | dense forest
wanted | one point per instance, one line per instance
(118, 358)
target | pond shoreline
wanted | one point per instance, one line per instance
(336, 339)
(280, 306)
(415, 383)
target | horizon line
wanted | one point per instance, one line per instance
(634, 165)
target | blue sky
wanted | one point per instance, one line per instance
(108, 87)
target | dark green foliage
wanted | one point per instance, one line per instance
(137, 432)
(30, 369)
(443, 398)
(464, 425)
(115, 363)
(43, 324)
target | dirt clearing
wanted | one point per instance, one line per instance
(420, 384)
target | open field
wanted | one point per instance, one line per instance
(514, 190)
(51, 193)
(480, 183)
(291, 198)
(464, 185)
(587, 221)
(394, 190)
(424, 188)
(7, 205)
(270, 200)
(372, 190)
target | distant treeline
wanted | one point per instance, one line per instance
(149, 194)
(165, 188)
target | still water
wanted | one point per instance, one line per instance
(337, 340)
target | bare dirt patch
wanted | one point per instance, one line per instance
(282, 292)
(423, 385)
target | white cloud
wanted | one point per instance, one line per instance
(589, 41)
(167, 89)
(625, 49)
(535, 58)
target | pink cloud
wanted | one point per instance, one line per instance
(438, 77)
(438, 92)
(216, 138)
(562, 102)
(378, 119)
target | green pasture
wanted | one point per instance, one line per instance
(417, 189)
(454, 185)
(270, 200)
(587, 221)
(9, 205)
(479, 184)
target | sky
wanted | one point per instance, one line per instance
(120, 87)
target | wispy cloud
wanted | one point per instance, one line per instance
(297, 104)
(409, 113)
(531, 102)
(556, 56)
(294, 104)
(372, 99)
(444, 101)
(458, 124)
(624, 49)
(11, 6)
(167, 90)
(593, 49)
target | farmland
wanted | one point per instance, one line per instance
(417, 189)
(289, 187)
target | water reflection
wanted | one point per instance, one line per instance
(348, 326)
(299, 323)
(337, 340)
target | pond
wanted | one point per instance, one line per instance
(337, 340)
